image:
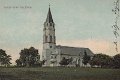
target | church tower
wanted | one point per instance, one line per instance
(49, 39)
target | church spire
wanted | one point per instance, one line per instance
(49, 16)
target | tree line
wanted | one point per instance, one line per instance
(102, 61)
(31, 58)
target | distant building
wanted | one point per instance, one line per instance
(53, 53)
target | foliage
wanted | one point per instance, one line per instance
(116, 61)
(86, 58)
(101, 60)
(4, 58)
(18, 62)
(65, 61)
(28, 57)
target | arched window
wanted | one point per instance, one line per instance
(54, 38)
(50, 24)
(46, 38)
(50, 38)
(47, 24)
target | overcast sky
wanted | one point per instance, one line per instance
(79, 23)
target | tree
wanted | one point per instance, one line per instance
(28, 57)
(4, 58)
(101, 60)
(6, 61)
(86, 58)
(116, 61)
(18, 62)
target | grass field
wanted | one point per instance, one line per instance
(59, 73)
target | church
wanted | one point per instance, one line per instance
(53, 54)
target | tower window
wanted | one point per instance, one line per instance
(50, 38)
(50, 24)
(54, 39)
(46, 37)
(47, 24)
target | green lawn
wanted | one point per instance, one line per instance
(59, 73)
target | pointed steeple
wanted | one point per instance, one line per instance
(49, 16)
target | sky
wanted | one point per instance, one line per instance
(78, 23)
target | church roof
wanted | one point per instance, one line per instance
(49, 16)
(74, 51)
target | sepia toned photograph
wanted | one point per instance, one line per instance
(59, 39)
